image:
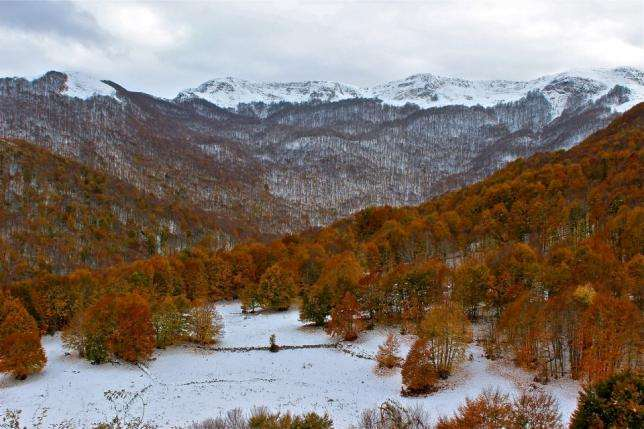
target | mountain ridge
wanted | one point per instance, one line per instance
(284, 167)
(425, 90)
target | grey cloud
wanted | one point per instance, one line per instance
(355, 42)
(62, 19)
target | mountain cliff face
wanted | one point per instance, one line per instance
(277, 157)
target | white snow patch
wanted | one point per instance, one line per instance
(508, 158)
(230, 92)
(182, 385)
(84, 86)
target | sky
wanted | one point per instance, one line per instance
(164, 47)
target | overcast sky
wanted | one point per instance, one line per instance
(162, 48)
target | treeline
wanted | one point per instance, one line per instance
(546, 254)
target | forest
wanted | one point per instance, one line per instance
(545, 256)
(58, 215)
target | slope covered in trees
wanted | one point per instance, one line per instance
(57, 215)
(283, 167)
(546, 254)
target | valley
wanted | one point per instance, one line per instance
(321, 214)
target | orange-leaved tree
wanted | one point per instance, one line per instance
(419, 375)
(447, 332)
(20, 351)
(345, 320)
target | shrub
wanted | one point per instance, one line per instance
(168, 321)
(392, 415)
(262, 418)
(204, 324)
(492, 409)
(273, 347)
(387, 353)
(536, 410)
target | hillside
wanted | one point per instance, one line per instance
(281, 157)
(57, 214)
(542, 261)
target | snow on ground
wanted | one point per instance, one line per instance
(181, 385)
(248, 330)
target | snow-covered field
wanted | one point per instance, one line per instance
(182, 385)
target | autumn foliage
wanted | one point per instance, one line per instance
(345, 320)
(546, 254)
(419, 375)
(447, 332)
(387, 356)
(20, 351)
(115, 326)
(492, 409)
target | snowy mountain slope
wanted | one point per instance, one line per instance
(427, 90)
(230, 92)
(84, 86)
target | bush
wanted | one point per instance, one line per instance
(204, 324)
(392, 415)
(617, 402)
(273, 347)
(492, 409)
(168, 321)
(387, 353)
(262, 418)
(234, 419)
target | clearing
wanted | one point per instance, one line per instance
(182, 385)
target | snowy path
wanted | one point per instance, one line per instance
(181, 385)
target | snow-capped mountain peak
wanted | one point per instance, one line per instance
(85, 86)
(429, 90)
(229, 92)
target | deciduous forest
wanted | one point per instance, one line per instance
(545, 256)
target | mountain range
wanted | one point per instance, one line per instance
(273, 158)
(425, 90)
